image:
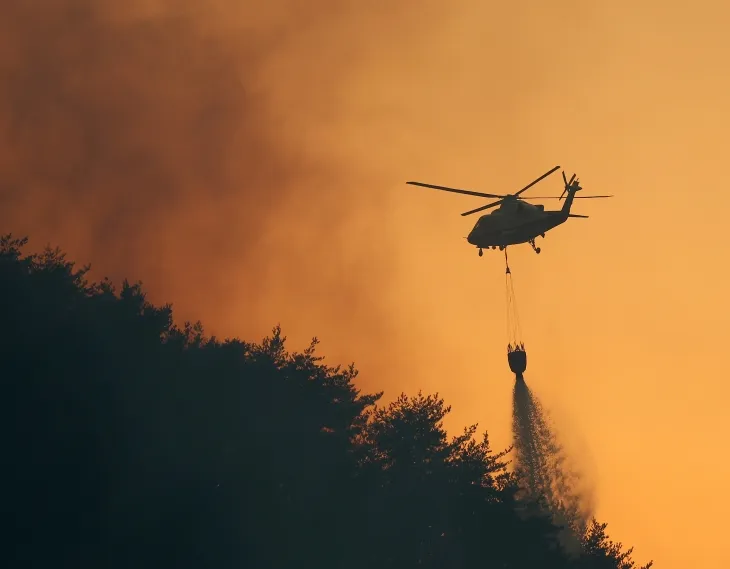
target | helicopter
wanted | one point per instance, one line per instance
(515, 221)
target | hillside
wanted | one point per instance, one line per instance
(136, 442)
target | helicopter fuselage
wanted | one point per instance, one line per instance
(514, 223)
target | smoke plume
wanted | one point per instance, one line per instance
(152, 139)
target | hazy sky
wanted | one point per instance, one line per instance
(247, 162)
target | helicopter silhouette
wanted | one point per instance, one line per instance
(515, 221)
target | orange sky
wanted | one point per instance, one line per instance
(247, 162)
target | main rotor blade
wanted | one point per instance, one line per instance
(455, 190)
(483, 207)
(557, 198)
(545, 175)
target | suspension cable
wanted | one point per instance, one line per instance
(514, 330)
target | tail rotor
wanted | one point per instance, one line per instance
(569, 184)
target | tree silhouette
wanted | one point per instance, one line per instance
(599, 551)
(134, 442)
(448, 503)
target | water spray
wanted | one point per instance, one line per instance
(540, 462)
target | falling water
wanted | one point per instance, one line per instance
(542, 467)
(540, 461)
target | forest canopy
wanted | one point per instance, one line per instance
(133, 441)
